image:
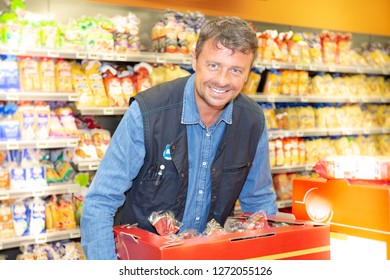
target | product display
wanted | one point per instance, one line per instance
(326, 107)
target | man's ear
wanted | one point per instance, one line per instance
(193, 61)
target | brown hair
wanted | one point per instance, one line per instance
(231, 32)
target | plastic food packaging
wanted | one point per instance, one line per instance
(354, 167)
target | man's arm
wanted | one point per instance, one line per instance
(257, 193)
(120, 165)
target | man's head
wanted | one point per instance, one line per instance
(222, 60)
(230, 32)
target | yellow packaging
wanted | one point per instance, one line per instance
(63, 76)
(29, 74)
(95, 82)
(81, 86)
(47, 74)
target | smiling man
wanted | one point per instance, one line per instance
(192, 146)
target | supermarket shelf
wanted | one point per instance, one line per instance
(39, 95)
(88, 165)
(292, 168)
(15, 242)
(39, 191)
(274, 134)
(323, 68)
(39, 144)
(105, 111)
(261, 97)
(183, 59)
(106, 56)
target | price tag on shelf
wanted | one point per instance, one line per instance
(93, 56)
(74, 234)
(40, 192)
(41, 239)
(4, 196)
(17, 51)
(81, 55)
(366, 131)
(275, 65)
(42, 145)
(359, 70)
(108, 56)
(187, 60)
(160, 59)
(12, 96)
(304, 99)
(121, 57)
(108, 111)
(53, 54)
(312, 68)
(352, 99)
(385, 71)
(93, 166)
(347, 131)
(12, 145)
(332, 69)
(308, 167)
(298, 67)
(385, 130)
(364, 99)
(271, 98)
(72, 143)
(300, 133)
(73, 97)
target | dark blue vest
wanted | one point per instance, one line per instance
(161, 109)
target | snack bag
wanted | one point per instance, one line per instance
(164, 222)
(113, 87)
(100, 139)
(29, 74)
(63, 76)
(47, 74)
(95, 82)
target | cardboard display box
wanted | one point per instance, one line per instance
(356, 208)
(287, 239)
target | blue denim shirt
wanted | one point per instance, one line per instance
(125, 156)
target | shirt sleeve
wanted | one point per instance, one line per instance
(119, 166)
(258, 193)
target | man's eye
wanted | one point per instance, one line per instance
(236, 71)
(213, 66)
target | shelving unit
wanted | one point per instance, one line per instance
(16, 242)
(181, 60)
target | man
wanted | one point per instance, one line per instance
(192, 146)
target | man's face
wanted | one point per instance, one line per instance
(220, 75)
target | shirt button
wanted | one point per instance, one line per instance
(200, 192)
(197, 218)
(204, 163)
(208, 134)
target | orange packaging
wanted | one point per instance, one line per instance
(357, 208)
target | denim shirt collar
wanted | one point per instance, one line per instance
(190, 114)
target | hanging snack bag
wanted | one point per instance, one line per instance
(63, 76)
(20, 216)
(47, 74)
(85, 151)
(128, 86)
(112, 85)
(29, 74)
(37, 216)
(68, 121)
(81, 86)
(100, 139)
(95, 82)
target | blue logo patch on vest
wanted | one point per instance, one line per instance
(167, 152)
